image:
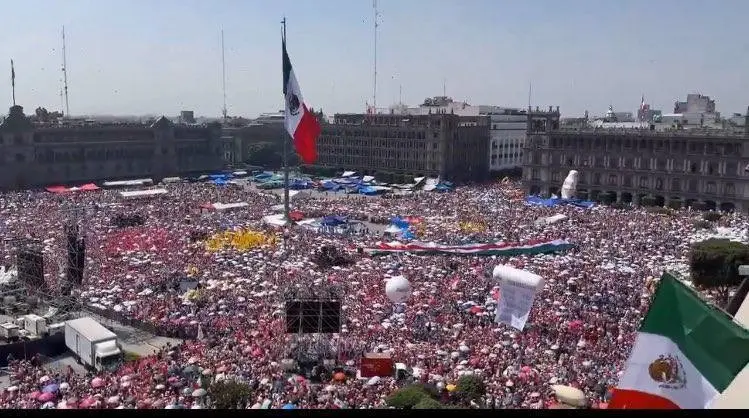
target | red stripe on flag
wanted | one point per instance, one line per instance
(305, 136)
(634, 399)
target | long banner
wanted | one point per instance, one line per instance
(495, 248)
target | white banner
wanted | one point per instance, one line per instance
(515, 303)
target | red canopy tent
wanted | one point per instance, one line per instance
(90, 187)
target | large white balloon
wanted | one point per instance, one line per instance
(398, 289)
(569, 187)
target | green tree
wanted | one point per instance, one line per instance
(428, 403)
(407, 397)
(228, 394)
(470, 388)
(714, 264)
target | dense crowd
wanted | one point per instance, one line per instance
(580, 331)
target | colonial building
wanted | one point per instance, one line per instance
(35, 155)
(397, 147)
(674, 166)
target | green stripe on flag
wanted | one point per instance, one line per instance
(713, 343)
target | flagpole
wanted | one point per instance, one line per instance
(285, 141)
(13, 81)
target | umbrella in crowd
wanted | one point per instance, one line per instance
(433, 314)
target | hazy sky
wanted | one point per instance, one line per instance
(162, 56)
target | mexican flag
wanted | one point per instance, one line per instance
(502, 249)
(686, 353)
(300, 123)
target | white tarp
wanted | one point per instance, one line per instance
(227, 206)
(128, 183)
(169, 180)
(517, 290)
(275, 220)
(348, 173)
(137, 194)
(551, 219)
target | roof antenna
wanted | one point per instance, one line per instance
(223, 74)
(376, 26)
(65, 73)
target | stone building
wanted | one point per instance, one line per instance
(36, 155)
(398, 148)
(674, 166)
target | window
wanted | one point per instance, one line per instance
(730, 189)
(676, 185)
(710, 187)
(612, 179)
(659, 184)
(644, 183)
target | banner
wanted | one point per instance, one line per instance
(515, 304)
(518, 288)
(494, 248)
(373, 364)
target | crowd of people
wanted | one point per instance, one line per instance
(581, 329)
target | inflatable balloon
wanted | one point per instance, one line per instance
(398, 289)
(569, 187)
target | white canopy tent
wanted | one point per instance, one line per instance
(141, 194)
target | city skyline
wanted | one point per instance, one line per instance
(162, 57)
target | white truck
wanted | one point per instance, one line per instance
(93, 344)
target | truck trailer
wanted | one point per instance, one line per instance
(93, 344)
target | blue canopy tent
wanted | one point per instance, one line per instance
(442, 187)
(297, 184)
(400, 223)
(550, 203)
(333, 220)
(219, 182)
(367, 190)
(331, 185)
(289, 406)
(219, 176)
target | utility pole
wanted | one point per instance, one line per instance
(65, 73)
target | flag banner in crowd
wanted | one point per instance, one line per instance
(496, 248)
(239, 240)
(518, 289)
(686, 353)
(300, 123)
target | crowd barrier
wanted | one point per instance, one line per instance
(49, 346)
(162, 331)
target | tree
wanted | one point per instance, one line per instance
(227, 394)
(470, 388)
(714, 264)
(428, 403)
(674, 204)
(407, 397)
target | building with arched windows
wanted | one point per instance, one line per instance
(37, 155)
(675, 166)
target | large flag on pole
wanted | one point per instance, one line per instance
(685, 355)
(300, 123)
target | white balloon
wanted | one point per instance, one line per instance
(398, 289)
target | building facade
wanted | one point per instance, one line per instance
(675, 167)
(507, 129)
(398, 148)
(36, 155)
